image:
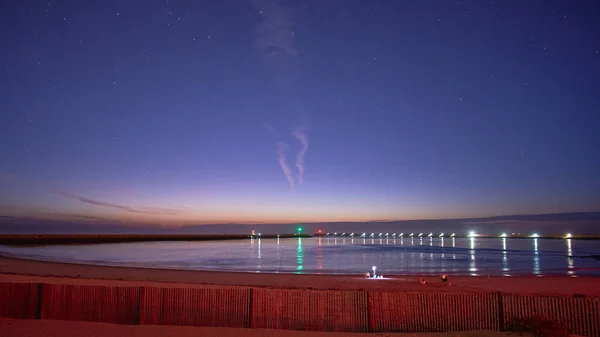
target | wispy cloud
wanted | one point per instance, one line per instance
(300, 134)
(287, 171)
(142, 210)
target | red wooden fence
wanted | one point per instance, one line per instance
(430, 312)
(19, 300)
(225, 306)
(90, 303)
(309, 310)
(347, 311)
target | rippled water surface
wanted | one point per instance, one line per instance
(475, 256)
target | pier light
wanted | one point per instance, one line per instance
(442, 235)
(503, 235)
(535, 235)
(320, 231)
(372, 235)
(472, 234)
(299, 229)
(334, 234)
(259, 234)
(380, 234)
(364, 234)
(387, 234)
(568, 236)
(430, 235)
(420, 234)
(394, 234)
(401, 234)
(412, 234)
(343, 234)
(352, 234)
(453, 235)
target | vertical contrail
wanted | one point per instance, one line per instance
(303, 139)
(281, 147)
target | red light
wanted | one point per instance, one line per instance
(319, 231)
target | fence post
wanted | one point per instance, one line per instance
(249, 317)
(369, 328)
(140, 306)
(501, 323)
(40, 299)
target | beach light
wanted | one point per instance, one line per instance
(411, 234)
(430, 235)
(535, 235)
(299, 229)
(343, 233)
(472, 234)
(380, 234)
(453, 235)
(420, 234)
(352, 234)
(372, 234)
(568, 236)
(503, 235)
(259, 234)
(442, 235)
(364, 234)
(387, 234)
(394, 235)
(401, 234)
(334, 234)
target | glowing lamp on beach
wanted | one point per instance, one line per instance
(568, 236)
(503, 235)
(401, 234)
(453, 235)
(471, 234)
(420, 234)
(364, 234)
(430, 235)
(535, 235)
(442, 235)
(412, 234)
(387, 234)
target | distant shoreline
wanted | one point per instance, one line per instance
(74, 239)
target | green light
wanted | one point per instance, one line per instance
(299, 229)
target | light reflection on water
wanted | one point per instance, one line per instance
(471, 256)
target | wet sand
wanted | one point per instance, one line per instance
(49, 328)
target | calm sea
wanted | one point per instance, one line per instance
(477, 256)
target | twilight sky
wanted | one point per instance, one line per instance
(190, 112)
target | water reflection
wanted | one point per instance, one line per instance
(319, 256)
(505, 268)
(299, 257)
(472, 263)
(442, 243)
(570, 262)
(536, 257)
(454, 242)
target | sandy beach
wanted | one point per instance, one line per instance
(21, 270)
(49, 328)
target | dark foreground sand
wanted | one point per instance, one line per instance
(18, 270)
(49, 328)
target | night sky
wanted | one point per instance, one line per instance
(191, 112)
